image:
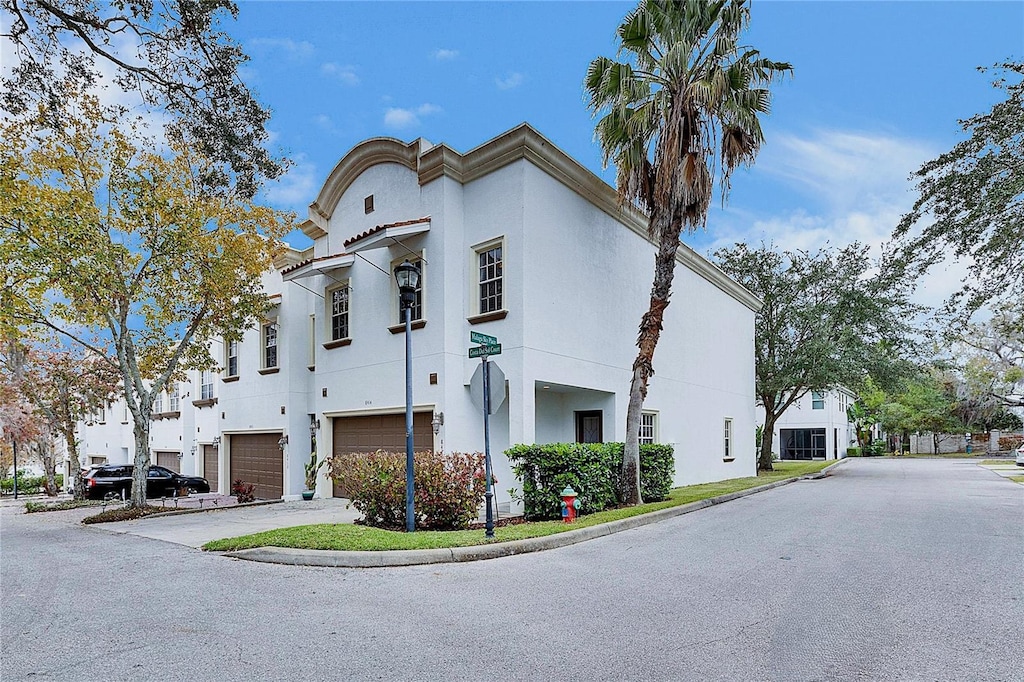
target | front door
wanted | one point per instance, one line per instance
(590, 426)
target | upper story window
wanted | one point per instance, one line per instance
(489, 278)
(158, 403)
(101, 414)
(232, 359)
(648, 428)
(417, 305)
(174, 398)
(206, 385)
(727, 439)
(269, 336)
(340, 301)
(817, 400)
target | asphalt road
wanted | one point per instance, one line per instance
(887, 570)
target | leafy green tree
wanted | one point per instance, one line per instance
(824, 323)
(971, 205)
(172, 53)
(62, 385)
(678, 113)
(925, 405)
(102, 235)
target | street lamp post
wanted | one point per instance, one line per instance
(408, 277)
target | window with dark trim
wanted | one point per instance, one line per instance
(489, 278)
(269, 345)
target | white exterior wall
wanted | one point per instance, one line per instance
(576, 281)
(833, 418)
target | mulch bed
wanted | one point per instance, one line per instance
(123, 514)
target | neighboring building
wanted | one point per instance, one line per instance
(815, 427)
(515, 240)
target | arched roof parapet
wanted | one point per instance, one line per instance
(368, 153)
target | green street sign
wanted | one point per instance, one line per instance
(489, 349)
(477, 337)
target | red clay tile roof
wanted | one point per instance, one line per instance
(379, 228)
(306, 262)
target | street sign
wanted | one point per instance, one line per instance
(477, 337)
(497, 386)
(490, 349)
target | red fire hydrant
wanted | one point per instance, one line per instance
(570, 504)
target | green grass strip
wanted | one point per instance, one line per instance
(351, 537)
(995, 462)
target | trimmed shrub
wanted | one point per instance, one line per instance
(28, 484)
(243, 492)
(447, 487)
(853, 452)
(591, 469)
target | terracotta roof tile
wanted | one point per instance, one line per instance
(306, 262)
(379, 228)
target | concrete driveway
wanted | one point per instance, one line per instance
(198, 528)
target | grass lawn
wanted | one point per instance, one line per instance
(364, 538)
(995, 462)
(1018, 479)
(949, 455)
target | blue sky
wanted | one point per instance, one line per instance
(877, 90)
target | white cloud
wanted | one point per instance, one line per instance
(860, 187)
(443, 55)
(294, 49)
(512, 80)
(296, 188)
(344, 73)
(399, 118)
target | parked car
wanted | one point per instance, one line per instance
(111, 481)
(1020, 455)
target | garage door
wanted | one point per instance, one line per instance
(257, 458)
(210, 466)
(169, 460)
(380, 432)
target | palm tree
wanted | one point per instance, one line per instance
(680, 112)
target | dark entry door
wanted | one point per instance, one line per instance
(590, 426)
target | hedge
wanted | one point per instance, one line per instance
(591, 469)
(28, 484)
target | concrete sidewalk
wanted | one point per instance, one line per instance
(195, 529)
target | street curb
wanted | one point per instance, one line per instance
(419, 557)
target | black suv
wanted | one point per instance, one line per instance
(115, 480)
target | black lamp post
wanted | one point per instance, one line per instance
(408, 277)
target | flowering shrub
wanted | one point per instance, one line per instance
(243, 492)
(447, 488)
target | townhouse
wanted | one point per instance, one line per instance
(514, 239)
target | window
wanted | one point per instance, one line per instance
(417, 304)
(489, 269)
(269, 335)
(206, 385)
(368, 204)
(727, 433)
(174, 398)
(232, 358)
(312, 341)
(817, 400)
(101, 414)
(124, 415)
(340, 299)
(648, 427)
(158, 403)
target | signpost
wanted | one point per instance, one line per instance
(490, 346)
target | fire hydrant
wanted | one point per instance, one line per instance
(570, 505)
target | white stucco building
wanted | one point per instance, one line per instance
(816, 426)
(515, 240)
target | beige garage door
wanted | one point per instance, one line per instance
(380, 432)
(169, 460)
(257, 458)
(211, 461)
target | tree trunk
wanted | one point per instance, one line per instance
(630, 483)
(46, 455)
(141, 469)
(78, 486)
(764, 458)
(647, 341)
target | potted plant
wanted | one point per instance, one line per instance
(311, 470)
